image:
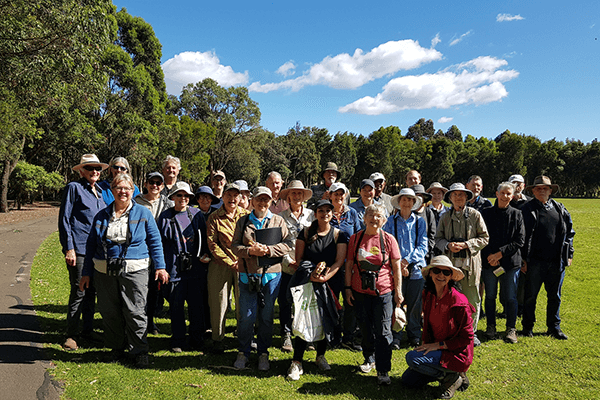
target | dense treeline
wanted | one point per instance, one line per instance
(77, 76)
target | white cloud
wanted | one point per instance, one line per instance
(287, 69)
(460, 38)
(444, 120)
(345, 71)
(193, 66)
(478, 81)
(435, 41)
(508, 17)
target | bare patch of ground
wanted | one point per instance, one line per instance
(38, 209)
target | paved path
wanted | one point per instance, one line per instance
(23, 364)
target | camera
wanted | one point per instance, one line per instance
(254, 283)
(369, 280)
(462, 253)
(114, 266)
(184, 262)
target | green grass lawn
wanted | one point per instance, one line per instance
(535, 368)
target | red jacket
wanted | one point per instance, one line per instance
(457, 332)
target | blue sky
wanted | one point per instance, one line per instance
(484, 66)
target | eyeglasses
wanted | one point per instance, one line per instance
(436, 270)
(119, 168)
(123, 189)
(154, 183)
(91, 168)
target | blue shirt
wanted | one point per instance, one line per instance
(360, 208)
(412, 240)
(348, 223)
(107, 194)
(77, 211)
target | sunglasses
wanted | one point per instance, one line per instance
(119, 168)
(154, 183)
(436, 270)
(92, 168)
(180, 195)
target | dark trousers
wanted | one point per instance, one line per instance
(153, 290)
(375, 319)
(348, 320)
(551, 275)
(285, 307)
(177, 294)
(300, 348)
(412, 290)
(81, 303)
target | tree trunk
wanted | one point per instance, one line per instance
(9, 166)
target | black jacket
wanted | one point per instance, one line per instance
(507, 235)
(530, 217)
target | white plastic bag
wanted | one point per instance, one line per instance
(308, 323)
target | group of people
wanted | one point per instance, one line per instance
(408, 256)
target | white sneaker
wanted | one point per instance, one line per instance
(367, 367)
(322, 363)
(240, 362)
(263, 362)
(295, 371)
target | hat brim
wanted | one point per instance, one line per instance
(425, 196)
(457, 274)
(79, 166)
(395, 200)
(215, 199)
(554, 187)
(467, 191)
(188, 193)
(286, 192)
(339, 174)
(443, 189)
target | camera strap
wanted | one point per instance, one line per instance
(127, 237)
(381, 246)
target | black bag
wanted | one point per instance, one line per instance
(369, 272)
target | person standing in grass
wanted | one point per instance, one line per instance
(502, 260)
(547, 252)
(318, 243)
(81, 201)
(447, 350)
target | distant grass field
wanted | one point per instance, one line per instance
(535, 368)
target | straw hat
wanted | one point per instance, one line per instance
(295, 185)
(407, 192)
(89, 159)
(444, 261)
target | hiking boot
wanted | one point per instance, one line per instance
(465, 382)
(383, 379)
(241, 361)
(322, 363)
(70, 344)
(490, 332)
(557, 334)
(451, 382)
(263, 362)
(367, 367)
(287, 345)
(527, 332)
(141, 361)
(295, 371)
(511, 336)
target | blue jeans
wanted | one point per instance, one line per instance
(250, 313)
(551, 275)
(508, 295)
(188, 290)
(374, 315)
(412, 290)
(423, 368)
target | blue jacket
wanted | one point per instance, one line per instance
(145, 239)
(77, 211)
(107, 194)
(412, 240)
(349, 222)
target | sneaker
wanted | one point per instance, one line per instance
(367, 367)
(70, 344)
(511, 335)
(451, 382)
(476, 341)
(465, 382)
(241, 361)
(490, 332)
(141, 361)
(322, 363)
(263, 362)
(295, 371)
(383, 378)
(287, 345)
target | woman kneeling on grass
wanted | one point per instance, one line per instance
(319, 243)
(447, 349)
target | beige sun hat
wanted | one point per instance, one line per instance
(89, 159)
(444, 261)
(262, 190)
(407, 192)
(436, 185)
(295, 185)
(181, 186)
(457, 187)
